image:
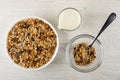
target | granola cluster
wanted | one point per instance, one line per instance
(82, 55)
(31, 43)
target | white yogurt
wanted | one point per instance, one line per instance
(69, 19)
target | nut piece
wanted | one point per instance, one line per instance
(31, 43)
(82, 55)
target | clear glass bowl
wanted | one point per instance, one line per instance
(79, 39)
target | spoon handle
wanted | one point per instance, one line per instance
(110, 19)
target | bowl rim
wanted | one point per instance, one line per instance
(68, 55)
(55, 51)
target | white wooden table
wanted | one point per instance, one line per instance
(94, 14)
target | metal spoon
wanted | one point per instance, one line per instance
(110, 19)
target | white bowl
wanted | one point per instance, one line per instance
(55, 52)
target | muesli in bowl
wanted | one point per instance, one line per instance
(32, 43)
(82, 59)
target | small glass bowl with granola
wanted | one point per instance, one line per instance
(82, 59)
(32, 43)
